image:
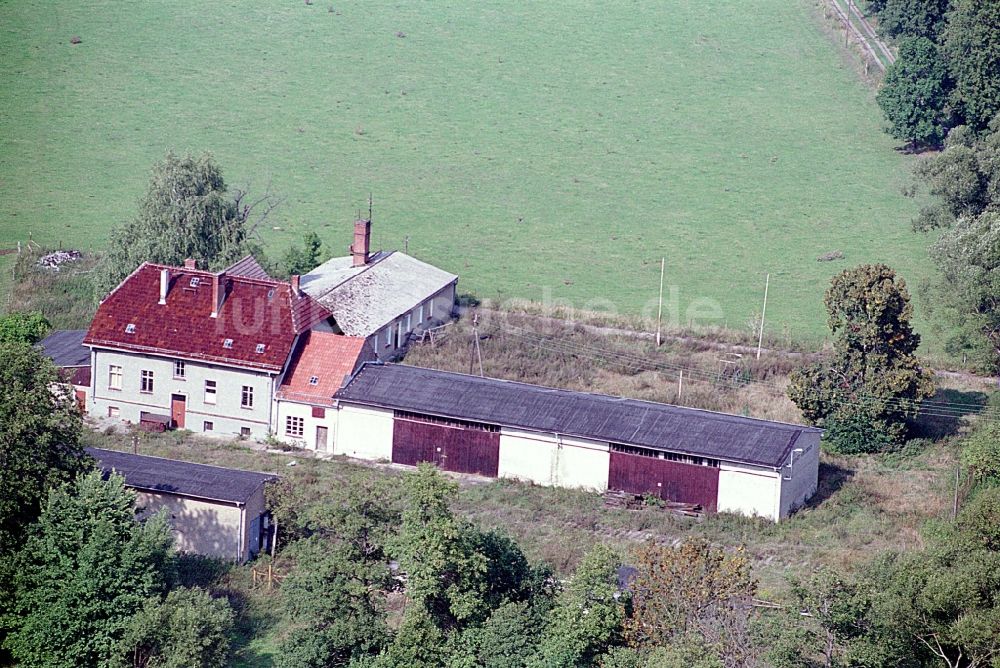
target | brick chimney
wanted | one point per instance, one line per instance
(362, 242)
(190, 264)
(296, 290)
(218, 292)
(164, 285)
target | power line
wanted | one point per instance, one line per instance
(930, 408)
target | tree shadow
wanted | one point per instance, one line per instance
(831, 478)
(942, 414)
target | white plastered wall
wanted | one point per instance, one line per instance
(802, 467)
(363, 432)
(199, 526)
(285, 408)
(550, 459)
(749, 490)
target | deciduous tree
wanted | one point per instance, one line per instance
(187, 212)
(914, 94)
(971, 43)
(874, 382)
(87, 568)
(23, 328)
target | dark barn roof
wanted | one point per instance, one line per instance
(594, 416)
(156, 474)
(65, 347)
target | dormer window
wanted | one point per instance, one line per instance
(260, 348)
(270, 294)
(313, 380)
(130, 328)
(228, 343)
(195, 281)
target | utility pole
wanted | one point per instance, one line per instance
(680, 384)
(760, 337)
(958, 477)
(659, 310)
(475, 347)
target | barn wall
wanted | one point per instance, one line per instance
(453, 448)
(363, 432)
(548, 459)
(749, 490)
(671, 481)
(255, 508)
(804, 472)
(199, 526)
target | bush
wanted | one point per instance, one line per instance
(982, 452)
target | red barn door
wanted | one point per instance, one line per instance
(671, 481)
(453, 447)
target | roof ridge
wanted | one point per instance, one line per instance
(182, 461)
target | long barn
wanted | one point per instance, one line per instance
(506, 429)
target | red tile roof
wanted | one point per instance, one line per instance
(254, 311)
(330, 359)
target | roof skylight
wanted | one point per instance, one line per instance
(228, 343)
(130, 328)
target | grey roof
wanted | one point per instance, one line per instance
(65, 347)
(172, 476)
(365, 299)
(249, 268)
(594, 416)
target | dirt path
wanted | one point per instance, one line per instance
(877, 51)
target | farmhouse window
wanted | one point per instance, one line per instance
(208, 426)
(669, 456)
(113, 411)
(295, 426)
(420, 314)
(246, 400)
(146, 381)
(114, 377)
(178, 368)
(388, 336)
(210, 387)
(446, 422)
(244, 432)
(408, 323)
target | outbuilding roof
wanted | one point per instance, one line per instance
(172, 476)
(321, 365)
(255, 327)
(594, 416)
(65, 348)
(365, 299)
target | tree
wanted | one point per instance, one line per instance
(186, 629)
(40, 430)
(694, 590)
(971, 44)
(966, 293)
(445, 573)
(187, 212)
(589, 616)
(874, 383)
(911, 18)
(960, 180)
(302, 260)
(335, 601)
(981, 452)
(914, 94)
(23, 328)
(86, 569)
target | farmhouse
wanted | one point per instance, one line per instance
(214, 511)
(385, 296)
(547, 436)
(66, 350)
(186, 348)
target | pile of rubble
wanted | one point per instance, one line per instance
(58, 258)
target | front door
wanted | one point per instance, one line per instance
(321, 438)
(177, 403)
(81, 400)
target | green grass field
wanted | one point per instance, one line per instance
(555, 149)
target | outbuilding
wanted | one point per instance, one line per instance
(549, 436)
(214, 511)
(66, 350)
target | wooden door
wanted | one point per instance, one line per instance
(81, 400)
(321, 435)
(671, 481)
(177, 410)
